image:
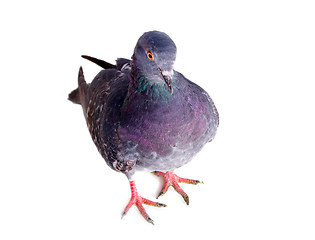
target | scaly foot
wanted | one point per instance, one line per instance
(171, 179)
(138, 201)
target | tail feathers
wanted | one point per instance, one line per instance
(74, 96)
(99, 62)
(81, 79)
(78, 95)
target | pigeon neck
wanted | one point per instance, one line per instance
(142, 85)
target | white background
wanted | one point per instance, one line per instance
(255, 58)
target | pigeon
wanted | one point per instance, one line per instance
(145, 116)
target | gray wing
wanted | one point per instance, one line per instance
(101, 102)
(106, 96)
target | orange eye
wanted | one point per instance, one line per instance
(150, 55)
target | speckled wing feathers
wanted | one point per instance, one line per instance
(106, 96)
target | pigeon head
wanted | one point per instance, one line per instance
(154, 58)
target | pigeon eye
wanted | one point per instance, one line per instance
(150, 55)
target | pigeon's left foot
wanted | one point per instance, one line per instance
(138, 201)
(171, 179)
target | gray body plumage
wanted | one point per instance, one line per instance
(143, 115)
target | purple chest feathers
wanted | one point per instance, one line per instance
(160, 128)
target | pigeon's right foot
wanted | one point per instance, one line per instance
(138, 201)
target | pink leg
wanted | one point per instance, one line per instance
(138, 201)
(171, 179)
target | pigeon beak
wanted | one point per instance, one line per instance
(168, 78)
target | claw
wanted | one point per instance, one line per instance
(149, 220)
(186, 199)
